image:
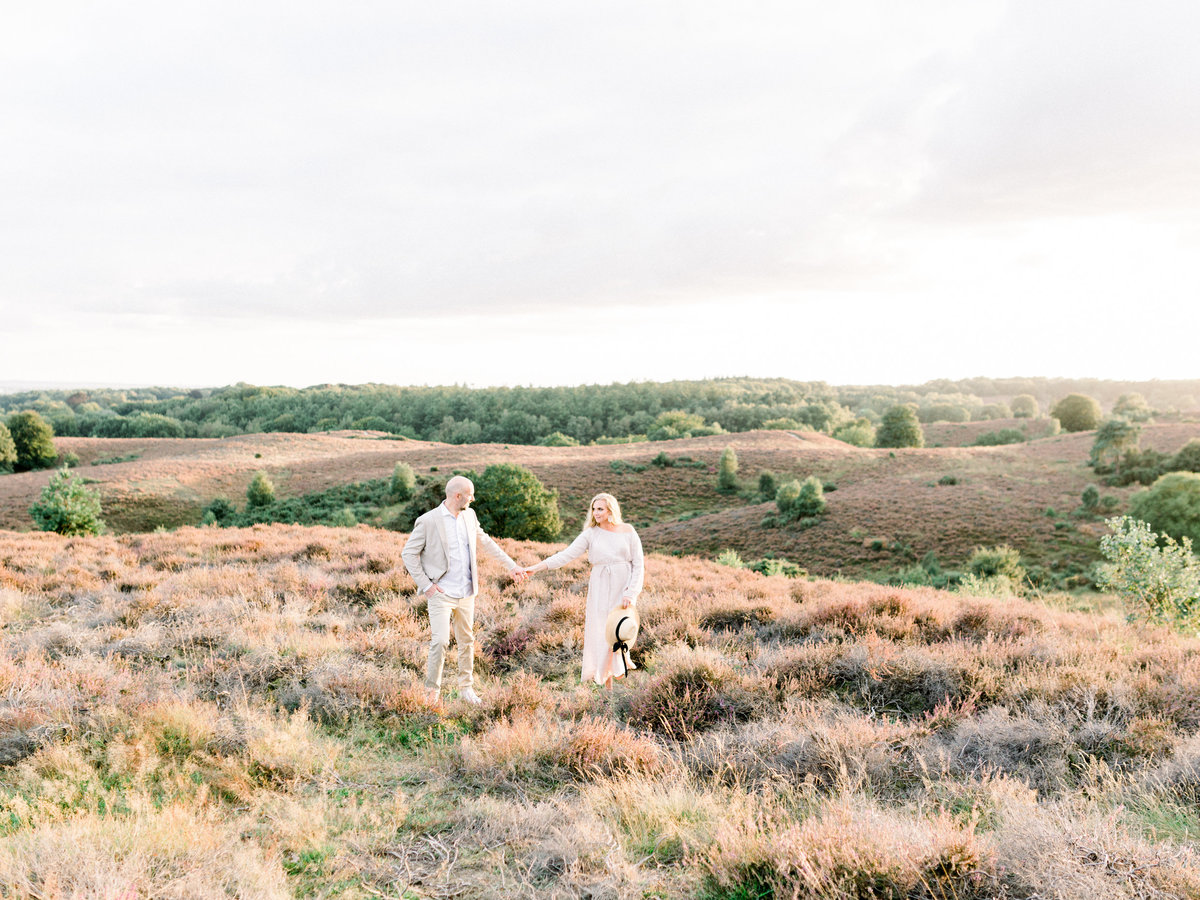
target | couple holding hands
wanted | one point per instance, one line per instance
(442, 558)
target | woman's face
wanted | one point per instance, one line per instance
(600, 512)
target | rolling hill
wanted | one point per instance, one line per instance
(886, 509)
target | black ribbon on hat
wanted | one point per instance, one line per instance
(619, 645)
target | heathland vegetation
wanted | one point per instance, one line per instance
(237, 709)
(217, 712)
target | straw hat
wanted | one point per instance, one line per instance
(621, 627)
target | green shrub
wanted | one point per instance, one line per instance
(727, 471)
(1158, 579)
(1090, 497)
(767, 485)
(998, 438)
(999, 560)
(558, 439)
(1141, 466)
(730, 558)
(33, 439)
(1077, 412)
(260, 491)
(1025, 406)
(947, 480)
(68, 506)
(513, 503)
(800, 500)
(219, 511)
(859, 433)
(404, 482)
(770, 565)
(1171, 505)
(900, 428)
(1188, 457)
(675, 423)
(8, 450)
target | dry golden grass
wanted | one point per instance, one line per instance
(259, 691)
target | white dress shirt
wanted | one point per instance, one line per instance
(457, 580)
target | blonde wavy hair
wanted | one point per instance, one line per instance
(614, 510)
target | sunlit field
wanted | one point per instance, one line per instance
(239, 713)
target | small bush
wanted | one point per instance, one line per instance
(261, 491)
(1001, 437)
(558, 439)
(767, 485)
(727, 470)
(730, 558)
(1157, 578)
(67, 506)
(404, 482)
(947, 480)
(1171, 505)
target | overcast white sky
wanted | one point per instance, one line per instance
(558, 192)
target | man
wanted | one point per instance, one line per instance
(442, 558)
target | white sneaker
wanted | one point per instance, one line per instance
(470, 696)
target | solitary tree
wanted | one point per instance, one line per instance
(1025, 406)
(1077, 412)
(727, 471)
(1114, 438)
(261, 491)
(8, 450)
(1133, 407)
(900, 428)
(68, 506)
(514, 504)
(34, 441)
(767, 485)
(404, 481)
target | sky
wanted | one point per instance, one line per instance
(482, 193)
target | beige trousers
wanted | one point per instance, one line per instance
(445, 610)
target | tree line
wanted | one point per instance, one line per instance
(567, 415)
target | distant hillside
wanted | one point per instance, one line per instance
(887, 510)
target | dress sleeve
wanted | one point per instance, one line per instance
(577, 548)
(637, 575)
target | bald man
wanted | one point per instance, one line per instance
(442, 557)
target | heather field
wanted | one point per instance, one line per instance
(887, 510)
(215, 712)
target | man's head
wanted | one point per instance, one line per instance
(459, 493)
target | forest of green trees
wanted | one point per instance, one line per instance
(565, 415)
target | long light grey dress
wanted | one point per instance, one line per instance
(617, 572)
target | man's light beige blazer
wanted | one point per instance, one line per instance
(425, 555)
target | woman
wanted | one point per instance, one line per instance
(615, 552)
